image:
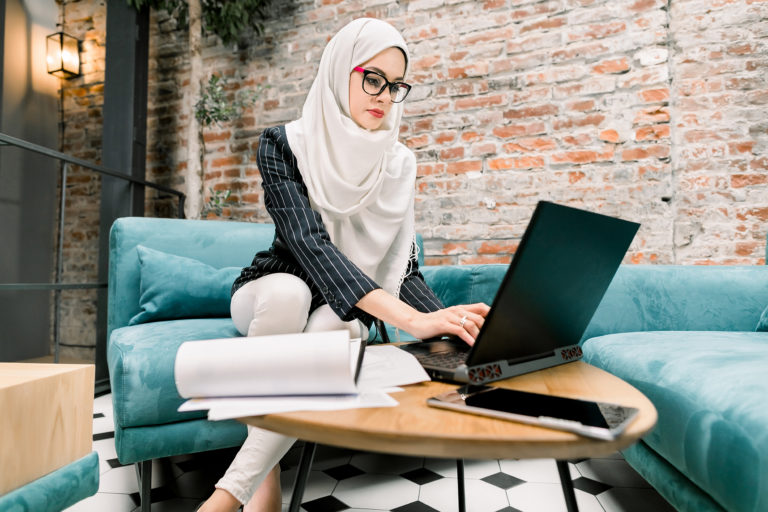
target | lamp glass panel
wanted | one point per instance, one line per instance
(53, 53)
(70, 57)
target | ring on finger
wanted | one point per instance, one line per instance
(463, 321)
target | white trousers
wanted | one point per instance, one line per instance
(273, 304)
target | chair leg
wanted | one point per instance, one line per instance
(144, 476)
(460, 483)
(567, 485)
(302, 475)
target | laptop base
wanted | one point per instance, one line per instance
(490, 372)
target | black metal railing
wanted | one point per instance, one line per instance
(57, 286)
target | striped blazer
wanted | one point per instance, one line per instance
(302, 246)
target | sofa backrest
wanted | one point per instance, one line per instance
(216, 243)
(219, 244)
(640, 297)
(682, 298)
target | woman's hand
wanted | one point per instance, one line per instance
(463, 321)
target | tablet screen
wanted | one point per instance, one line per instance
(537, 405)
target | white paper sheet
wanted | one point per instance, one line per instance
(291, 364)
(384, 369)
(386, 366)
(228, 408)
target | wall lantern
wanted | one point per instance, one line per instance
(63, 55)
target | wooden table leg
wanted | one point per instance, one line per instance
(302, 475)
(460, 482)
(567, 484)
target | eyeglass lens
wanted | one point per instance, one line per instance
(374, 84)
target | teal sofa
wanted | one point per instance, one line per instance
(57, 490)
(684, 336)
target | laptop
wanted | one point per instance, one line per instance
(558, 276)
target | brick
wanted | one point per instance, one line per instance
(445, 137)
(488, 148)
(470, 136)
(430, 169)
(653, 132)
(498, 247)
(216, 136)
(612, 66)
(531, 144)
(526, 162)
(581, 105)
(439, 260)
(509, 131)
(658, 151)
(417, 142)
(609, 136)
(581, 157)
(452, 153)
(748, 180)
(480, 102)
(426, 62)
(568, 123)
(527, 112)
(654, 95)
(464, 166)
(652, 115)
(546, 24)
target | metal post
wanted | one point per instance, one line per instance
(59, 265)
(302, 475)
(144, 476)
(460, 483)
(567, 484)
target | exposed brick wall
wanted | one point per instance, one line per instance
(720, 130)
(651, 110)
(81, 131)
(602, 104)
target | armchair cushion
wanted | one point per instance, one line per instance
(141, 361)
(175, 286)
(57, 490)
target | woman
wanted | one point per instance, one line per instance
(340, 189)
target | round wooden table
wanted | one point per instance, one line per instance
(413, 428)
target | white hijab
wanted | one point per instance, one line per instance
(361, 182)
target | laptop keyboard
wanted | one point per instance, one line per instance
(443, 359)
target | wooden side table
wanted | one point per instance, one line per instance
(413, 428)
(46, 420)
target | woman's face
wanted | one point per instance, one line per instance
(366, 110)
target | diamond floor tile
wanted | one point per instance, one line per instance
(367, 482)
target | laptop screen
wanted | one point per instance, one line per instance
(563, 266)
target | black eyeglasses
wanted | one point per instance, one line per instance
(374, 84)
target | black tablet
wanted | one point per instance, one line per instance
(592, 419)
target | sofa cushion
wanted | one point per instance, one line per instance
(762, 324)
(219, 244)
(140, 360)
(178, 287)
(710, 391)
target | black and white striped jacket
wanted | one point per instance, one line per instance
(303, 248)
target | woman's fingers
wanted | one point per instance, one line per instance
(479, 308)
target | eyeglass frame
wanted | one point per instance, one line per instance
(387, 84)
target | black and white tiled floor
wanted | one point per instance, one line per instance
(360, 482)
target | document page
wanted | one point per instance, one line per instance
(386, 366)
(291, 364)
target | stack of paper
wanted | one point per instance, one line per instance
(250, 376)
